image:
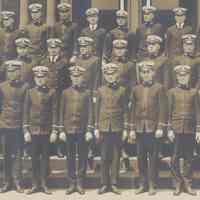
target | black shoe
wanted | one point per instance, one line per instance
(190, 191)
(33, 190)
(71, 189)
(19, 189)
(140, 190)
(103, 189)
(5, 188)
(80, 189)
(115, 190)
(178, 190)
(45, 190)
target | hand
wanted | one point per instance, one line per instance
(73, 59)
(159, 133)
(88, 136)
(53, 136)
(27, 137)
(198, 137)
(62, 136)
(132, 135)
(124, 135)
(171, 135)
(97, 134)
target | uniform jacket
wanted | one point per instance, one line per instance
(148, 108)
(40, 110)
(12, 97)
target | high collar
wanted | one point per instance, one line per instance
(184, 87)
(147, 83)
(43, 88)
(114, 85)
(93, 27)
(180, 25)
(122, 59)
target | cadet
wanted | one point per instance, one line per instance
(39, 121)
(149, 27)
(36, 30)
(75, 127)
(88, 61)
(65, 29)
(189, 57)
(173, 44)
(7, 35)
(12, 94)
(181, 127)
(147, 120)
(120, 32)
(161, 63)
(94, 31)
(111, 123)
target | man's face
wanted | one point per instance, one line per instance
(76, 80)
(65, 16)
(188, 48)
(54, 51)
(148, 17)
(14, 75)
(22, 51)
(36, 15)
(40, 81)
(93, 19)
(119, 52)
(146, 74)
(121, 21)
(153, 49)
(7, 23)
(183, 79)
(180, 19)
(85, 50)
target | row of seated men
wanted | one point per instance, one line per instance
(52, 84)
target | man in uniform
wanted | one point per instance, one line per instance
(189, 57)
(181, 127)
(173, 44)
(76, 128)
(94, 31)
(161, 63)
(111, 123)
(149, 27)
(12, 94)
(36, 30)
(66, 30)
(120, 32)
(147, 121)
(39, 123)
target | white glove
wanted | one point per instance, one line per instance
(198, 137)
(88, 136)
(132, 135)
(159, 133)
(171, 135)
(27, 137)
(53, 136)
(97, 134)
(73, 59)
(62, 136)
(124, 135)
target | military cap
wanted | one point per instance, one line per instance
(7, 14)
(23, 42)
(110, 68)
(182, 69)
(179, 11)
(148, 9)
(76, 70)
(64, 7)
(120, 44)
(35, 7)
(147, 64)
(40, 71)
(121, 13)
(153, 39)
(92, 11)
(189, 38)
(85, 41)
(12, 65)
(54, 42)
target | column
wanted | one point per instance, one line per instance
(51, 12)
(122, 5)
(1, 5)
(23, 20)
(198, 13)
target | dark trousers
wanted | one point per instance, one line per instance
(147, 150)
(76, 146)
(40, 159)
(110, 157)
(12, 143)
(183, 148)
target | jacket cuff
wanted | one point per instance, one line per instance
(161, 125)
(90, 128)
(132, 127)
